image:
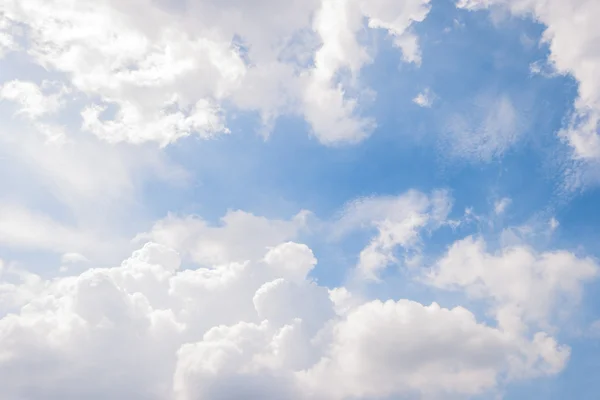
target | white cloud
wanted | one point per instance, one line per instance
(83, 173)
(261, 328)
(397, 19)
(405, 347)
(32, 101)
(85, 192)
(166, 73)
(73, 258)
(239, 237)
(21, 228)
(337, 24)
(571, 33)
(7, 43)
(398, 221)
(248, 321)
(524, 286)
(132, 125)
(501, 205)
(327, 108)
(424, 99)
(483, 132)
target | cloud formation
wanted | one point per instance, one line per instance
(110, 108)
(571, 33)
(398, 221)
(159, 72)
(150, 329)
(485, 130)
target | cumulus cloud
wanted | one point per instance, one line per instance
(523, 285)
(239, 236)
(571, 33)
(405, 347)
(148, 329)
(230, 310)
(157, 72)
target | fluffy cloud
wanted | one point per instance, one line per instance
(406, 347)
(251, 320)
(571, 33)
(231, 310)
(158, 72)
(239, 237)
(150, 330)
(398, 222)
(523, 286)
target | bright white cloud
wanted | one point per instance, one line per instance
(149, 330)
(406, 347)
(524, 286)
(31, 100)
(37, 103)
(397, 19)
(331, 114)
(248, 320)
(131, 125)
(7, 42)
(154, 73)
(239, 237)
(572, 34)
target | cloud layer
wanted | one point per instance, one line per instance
(158, 71)
(254, 322)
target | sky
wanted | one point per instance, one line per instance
(299, 199)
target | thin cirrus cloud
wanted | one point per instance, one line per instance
(485, 130)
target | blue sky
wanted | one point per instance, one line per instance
(301, 198)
